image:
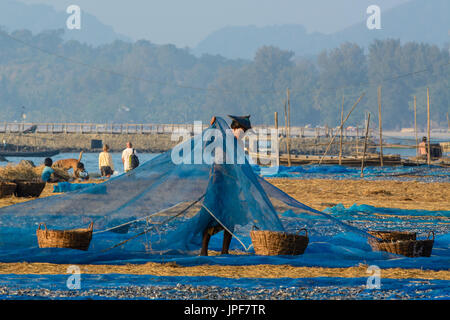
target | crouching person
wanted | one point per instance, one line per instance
(48, 172)
(81, 172)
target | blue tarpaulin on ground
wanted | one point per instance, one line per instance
(67, 186)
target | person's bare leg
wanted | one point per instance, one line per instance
(205, 243)
(226, 241)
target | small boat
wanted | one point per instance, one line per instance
(25, 154)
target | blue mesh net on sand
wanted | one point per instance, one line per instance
(162, 208)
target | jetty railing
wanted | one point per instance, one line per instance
(149, 128)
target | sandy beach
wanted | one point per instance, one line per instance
(320, 193)
(257, 271)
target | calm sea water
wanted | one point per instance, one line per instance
(405, 153)
(90, 160)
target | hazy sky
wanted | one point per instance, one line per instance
(186, 22)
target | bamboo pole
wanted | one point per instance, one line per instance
(357, 140)
(415, 126)
(429, 127)
(289, 110)
(341, 131)
(278, 141)
(286, 132)
(334, 136)
(289, 125)
(286, 124)
(448, 123)
(380, 125)
(365, 146)
(276, 120)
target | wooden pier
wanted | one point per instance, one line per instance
(351, 161)
(152, 128)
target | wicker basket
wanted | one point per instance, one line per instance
(29, 189)
(271, 243)
(409, 248)
(73, 239)
(393, 235)
(7, 189)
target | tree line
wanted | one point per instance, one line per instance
(51, 80)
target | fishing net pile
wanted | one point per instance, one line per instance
(163, 207)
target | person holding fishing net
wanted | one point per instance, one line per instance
(218, 186)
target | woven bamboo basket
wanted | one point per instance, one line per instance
(7, 189)
(394, 235)
(409, 248)
(73, 239)
(29, 189)
(271, 243)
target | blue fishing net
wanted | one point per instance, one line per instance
(423, 173)
(162, 208)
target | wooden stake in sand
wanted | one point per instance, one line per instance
(415, 126)
(288, 148)
(429, 127)
(346, 118)
(341, 131)
(448, 123)
(365, 146)
(357, 141)
(276, 129)
(380, 125)
(276, 120)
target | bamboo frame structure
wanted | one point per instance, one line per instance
(380, 125)
(341, 131)
(365, 145)
(429, 128)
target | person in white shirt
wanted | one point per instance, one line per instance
(126, 156)
(105, 162)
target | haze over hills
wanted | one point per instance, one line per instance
(186, 23)
(417, 20)
(421, 21)
(301, 26)
(15, 15)
(145, 81)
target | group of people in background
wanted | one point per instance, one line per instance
(105, 164)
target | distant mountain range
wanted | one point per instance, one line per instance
(16, 15)
(417, 20)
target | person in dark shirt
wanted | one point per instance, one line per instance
(239, 126)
